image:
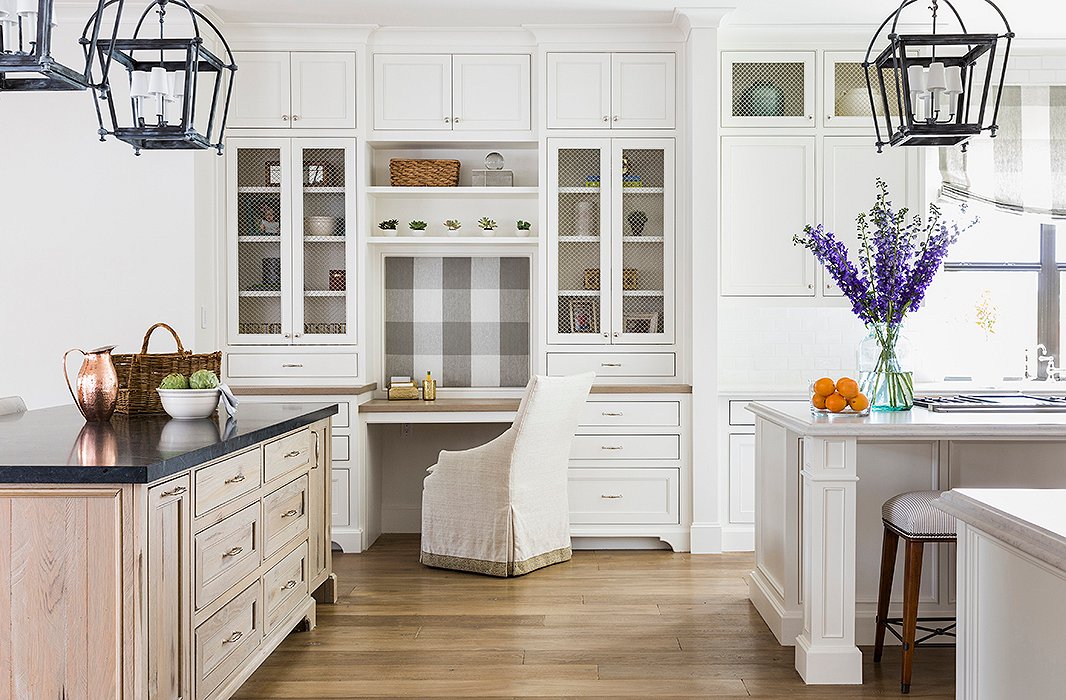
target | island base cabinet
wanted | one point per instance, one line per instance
(168, 589)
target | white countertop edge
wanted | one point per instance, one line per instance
(1043, 544)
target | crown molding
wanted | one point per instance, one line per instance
(595, 35)
(688, 18)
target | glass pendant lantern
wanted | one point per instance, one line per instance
(935, 89)
(176, 91)
(26, 62)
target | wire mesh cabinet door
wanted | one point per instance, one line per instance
(259, 182)
(579, 247)
(324, 241)
(642, 238)
(768, 88)
(845, 96)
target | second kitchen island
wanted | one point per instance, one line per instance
(155, 558)
(820, 482)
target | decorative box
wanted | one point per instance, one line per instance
(630, 279)
(492, 178)
(592, 278)
(403, 392)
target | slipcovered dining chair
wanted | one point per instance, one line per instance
(11, 404)
(502, 509)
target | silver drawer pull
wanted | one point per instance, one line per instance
(610, 364)
(294, 453)
(288, 586)
(289, 513)
(173, 492)
(611, 413)
(233, 552)
(291, 364)
(610, 447)
(611, 496)
(233, 638)
(236, 479)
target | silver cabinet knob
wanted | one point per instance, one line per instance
(456, 120)
(284, 117)
(616, 118)
(606, 118)
(296, 117)
(447, 120)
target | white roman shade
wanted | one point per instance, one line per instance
(1023, 169)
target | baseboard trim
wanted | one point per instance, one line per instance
(706, 538)
(785, 626)
(349, 540)
(738, 538)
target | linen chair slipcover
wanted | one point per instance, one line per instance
(10, 405)
(502, 509)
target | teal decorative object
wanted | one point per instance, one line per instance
(762, 99)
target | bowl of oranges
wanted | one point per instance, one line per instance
(839, 397)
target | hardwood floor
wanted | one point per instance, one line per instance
(607, 624)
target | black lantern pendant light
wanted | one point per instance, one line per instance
(933, 89)
(178, 88)
(26, 62)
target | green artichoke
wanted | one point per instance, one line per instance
(174, 381)
(203, 379)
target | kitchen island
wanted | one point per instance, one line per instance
(155, 558)
(820, 481)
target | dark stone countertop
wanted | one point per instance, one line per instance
(57, 446)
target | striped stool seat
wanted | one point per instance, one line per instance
(913, 515)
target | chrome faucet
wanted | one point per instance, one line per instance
(1053, 373)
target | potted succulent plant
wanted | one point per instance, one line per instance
(418, 228)
(524, 228)
(453, 226)
(487, 226)
(637, 220)
(388, 226)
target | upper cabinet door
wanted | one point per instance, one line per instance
(412, 92)
(261, 94)
(323, 90)
(643, 90)
(490, 93)
(852, 166)
(579, 90)
(768, 88)
(768, 196)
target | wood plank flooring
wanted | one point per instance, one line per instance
(607, 624)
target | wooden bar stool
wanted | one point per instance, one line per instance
(913, 517)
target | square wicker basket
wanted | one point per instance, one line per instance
(423, 173)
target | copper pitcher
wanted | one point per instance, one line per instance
(97, 383)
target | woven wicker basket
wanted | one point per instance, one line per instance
(423, 173)
(140, 374)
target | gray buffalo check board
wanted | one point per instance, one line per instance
(466, 320)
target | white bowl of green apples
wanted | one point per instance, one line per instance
(192, 397)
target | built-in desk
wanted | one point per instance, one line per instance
(630, 466)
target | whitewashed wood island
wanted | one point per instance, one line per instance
(820, 482)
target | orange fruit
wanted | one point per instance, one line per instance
(859, 403)
(836, 403)
(818, 401)
(848, 388)
(824, 386)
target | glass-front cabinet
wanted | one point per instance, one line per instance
(292, 244)
(611, 244)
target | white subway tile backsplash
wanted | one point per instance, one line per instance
(1027, 62)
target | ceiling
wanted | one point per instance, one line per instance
(1033, 18)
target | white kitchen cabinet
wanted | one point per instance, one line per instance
(412, 92)
(490, 93)
(441, 92)
(768, 88)
(291, 242)
(742, 478)
(768, 195)
(279, 89)
(851, 168)
(845, 96)
(611, 271)
(629, 90)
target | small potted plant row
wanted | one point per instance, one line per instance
(389, 227)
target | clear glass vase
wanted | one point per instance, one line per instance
(883, 375)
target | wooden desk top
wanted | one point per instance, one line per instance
(355, 390)
(440, 406)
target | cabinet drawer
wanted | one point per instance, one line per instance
(284, 514)
(288, 454)
(658, 364)
(340, 497)
(624, 496)
(626, 447)
(652, 413)
(284, 586)
(225, 553)
(228, 479)
(341, 450)
(226, 639)
(299, 365)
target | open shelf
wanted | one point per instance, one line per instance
(579, 292)
(325, 239)
(642, 292)
(313, 189)
(276, 189)
(452, 240)
(579, 239)
(642, 190)
(460, 192)
(325, 293)
(577, 190)
(258, 239)
(260, 292)
(642, 239)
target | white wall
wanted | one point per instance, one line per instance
(95, 244)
